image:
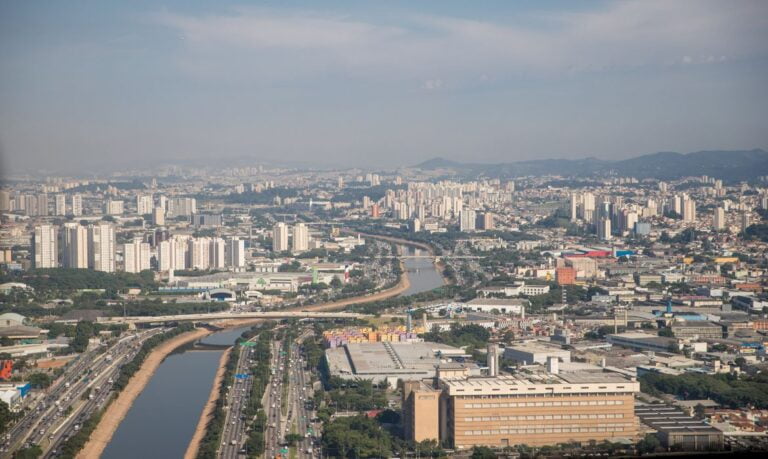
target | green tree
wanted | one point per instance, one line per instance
(482, 452)
(39, 380)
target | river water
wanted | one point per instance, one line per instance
(163, 417)
(421, 271)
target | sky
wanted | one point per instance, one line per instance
(93, 85)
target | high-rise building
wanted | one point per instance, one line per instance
(217, 253)
(604, 229)
(144, 204)
(101, 247)
(61, 204)
(158, 216)
(235, 253)
(30, 205)
(45, 252)
(77, 205)
(136, 256)
(484, 221)
(574, 206)
(300, 238)
(199, 253)
(744, 221)
(5, 201)
(114, 207)
(280, 237)
(182, 207)
(718, 219)
(689, 210)
(467, 220)
(75, 246)
(42, 204)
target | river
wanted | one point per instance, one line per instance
(422, 273)
(164, 416)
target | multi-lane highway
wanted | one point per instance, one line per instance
(272, 403)
(84, 388)
(234, 432)
(300, 397)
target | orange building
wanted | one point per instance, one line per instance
(565, 275)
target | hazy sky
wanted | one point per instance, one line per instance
(382, 83)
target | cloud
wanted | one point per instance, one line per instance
(623, 35)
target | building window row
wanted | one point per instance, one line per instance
(541, 395)
(544, 404)
(544, 417)
(543, 430)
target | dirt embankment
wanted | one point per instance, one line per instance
(399, 288)
(117, 410)
(202, 424)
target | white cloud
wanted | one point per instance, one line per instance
(623, 35)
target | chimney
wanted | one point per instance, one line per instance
(493, 360)
(553, 365)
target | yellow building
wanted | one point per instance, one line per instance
(535, 408)
(420, 411)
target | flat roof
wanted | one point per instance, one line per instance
(664, 418)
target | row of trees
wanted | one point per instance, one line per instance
(728, 390)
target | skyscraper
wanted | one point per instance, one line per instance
(300, 238)
(5, 201)
(45, 254)
(217, 253)
(689, 210)
(604, 229)
(75, 246)
(158, 216)
(280, 237)
(101, 247)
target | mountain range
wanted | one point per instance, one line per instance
(735, 165)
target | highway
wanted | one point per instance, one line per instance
(272, 398)
(233, 434)
(84, 388)
(300, 395)
(207, 317)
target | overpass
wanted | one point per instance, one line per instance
(214, 316)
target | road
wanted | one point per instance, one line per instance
(300, 401)
(234, 435)
(84, 388)
(272, 402)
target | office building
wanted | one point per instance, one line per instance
(77, 205)
(280, 237)
(101, 247)
(484, 221)
(44, 248)
(61, 204)
(136, 256)
(206, 220)
(75, 246)
(300, 238)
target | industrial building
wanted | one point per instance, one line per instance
(677, 430)
(534, 352)
(533, 407)
(390, 361)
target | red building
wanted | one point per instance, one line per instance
(565, 275)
